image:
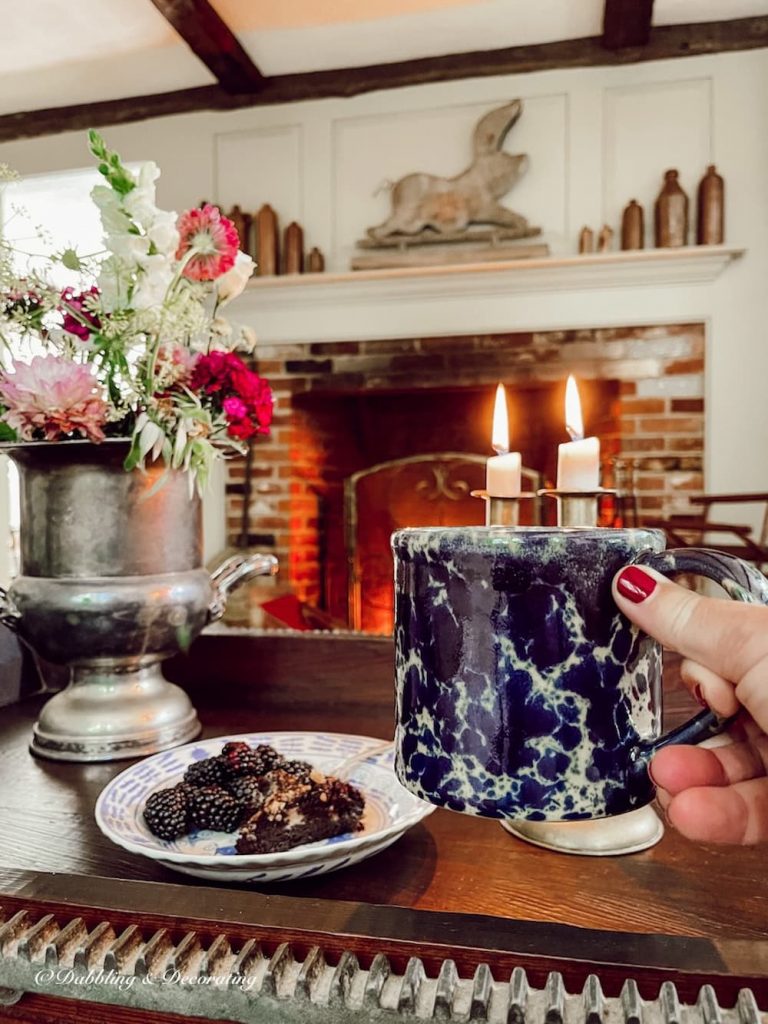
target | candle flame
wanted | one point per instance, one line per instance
(574, 423)
(500, 435)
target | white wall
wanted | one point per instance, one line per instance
(597, 137)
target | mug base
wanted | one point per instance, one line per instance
(603, 837)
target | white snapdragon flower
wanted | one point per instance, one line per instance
(162, 232)
(128, 247)
(156, 274)
(231, 284)
(140, 201)
(114, 219)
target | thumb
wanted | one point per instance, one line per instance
(728, 637)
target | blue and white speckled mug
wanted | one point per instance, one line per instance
(522, 692)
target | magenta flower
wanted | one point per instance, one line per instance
(246, 398)
(212, 240)
(78, 318)
(234, 408)
(50, 398)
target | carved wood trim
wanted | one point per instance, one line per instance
(626, 23)
(120, 922)
(245, 971)
(666, 42)
(213, 42)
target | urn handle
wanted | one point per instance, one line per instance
(10, 615)
(232, 572)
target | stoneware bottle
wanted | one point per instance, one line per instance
(242, 222)
(710, 224)
(633, 226)
(586, 240)
(267, 242)
(671, 214)
(293, 249)
(605, 239)
(315, 261)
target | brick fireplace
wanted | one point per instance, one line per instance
(344, 406)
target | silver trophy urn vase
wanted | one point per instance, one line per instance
(111, 583)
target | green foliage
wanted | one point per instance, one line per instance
(110, 165)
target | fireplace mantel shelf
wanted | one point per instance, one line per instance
(688, 265)
(558, 292)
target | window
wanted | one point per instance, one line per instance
(58, 207)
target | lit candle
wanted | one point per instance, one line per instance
(578, 460)
(503, 471)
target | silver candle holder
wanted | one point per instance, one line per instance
(575, 508)
(501, 511)
(624, 833)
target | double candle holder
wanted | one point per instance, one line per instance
(624, 833)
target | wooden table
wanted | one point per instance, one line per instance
(453, 886)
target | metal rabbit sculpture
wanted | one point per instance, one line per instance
(423, 204)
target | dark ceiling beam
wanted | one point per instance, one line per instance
(666, 41)
(626, 23)
(213, 42)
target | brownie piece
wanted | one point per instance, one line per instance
(300, 809)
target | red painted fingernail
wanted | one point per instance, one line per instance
(699, 696)
(634, 584)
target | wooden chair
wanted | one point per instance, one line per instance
(738, 539)
(421, 490)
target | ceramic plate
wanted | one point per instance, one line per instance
(390, 810)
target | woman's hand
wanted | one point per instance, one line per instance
(717, 794)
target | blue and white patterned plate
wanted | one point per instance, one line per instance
(390, 810)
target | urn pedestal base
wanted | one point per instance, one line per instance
(112, 712)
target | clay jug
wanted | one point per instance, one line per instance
(315, 261)
(710, 223)
(293, 249)
(586, 240)
(605, 239)
(242, 222)
(267, 263)
(671, 214)
(633, 226)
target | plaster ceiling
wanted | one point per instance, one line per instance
(106, 49)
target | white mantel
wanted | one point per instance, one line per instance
(566, 292)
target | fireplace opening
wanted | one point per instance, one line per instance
(415, 437)
(345, 407)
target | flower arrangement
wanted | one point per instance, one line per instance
(139, 348)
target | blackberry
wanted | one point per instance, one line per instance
(244, 760)
(212, 807)
(299, 769)
(249, 793)
(166, 814)
(212, 771)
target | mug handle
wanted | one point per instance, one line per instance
(741, 582)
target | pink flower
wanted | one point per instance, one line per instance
(212, 240)
(79, 319)
(52, 397)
